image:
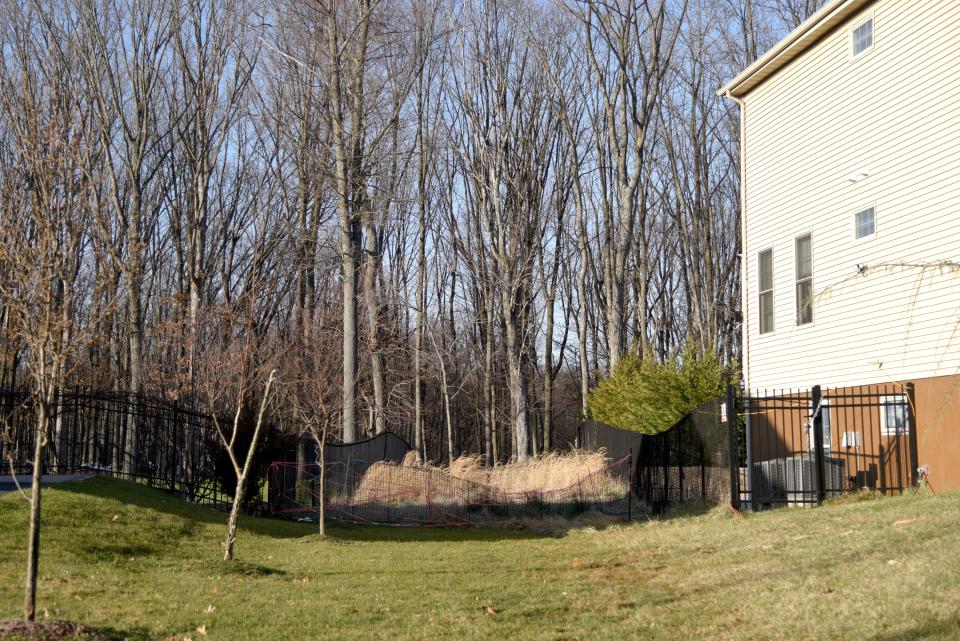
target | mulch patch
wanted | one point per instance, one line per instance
(50, 631)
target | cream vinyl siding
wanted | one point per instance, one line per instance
(895, 110)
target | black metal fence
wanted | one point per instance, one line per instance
(784, 447)
(803, 446)
(128, 436)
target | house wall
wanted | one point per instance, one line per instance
(895, 110)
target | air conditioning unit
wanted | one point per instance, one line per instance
(769, 481)
(801, 478)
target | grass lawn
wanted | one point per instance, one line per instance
(120, 556)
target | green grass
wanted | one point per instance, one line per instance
(123, 557)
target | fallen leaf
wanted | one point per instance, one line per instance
(355, 610)
(574, 563)
(202, 630)
(491, 612)
(116, 517)
(210, 609)
(46, 613)
(892, 562)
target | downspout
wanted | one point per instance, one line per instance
(744, 297)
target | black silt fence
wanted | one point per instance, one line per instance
(618, 443)
(689, 463)
(394, 494)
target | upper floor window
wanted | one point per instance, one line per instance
(804, 254)
(865, 223)
(765, 277)
(862, 37)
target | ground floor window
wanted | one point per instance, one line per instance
(893, 415)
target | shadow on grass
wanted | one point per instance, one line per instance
(934, 629)
(148, 498)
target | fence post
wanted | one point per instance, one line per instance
(733, 453)
(748, 437)
(630, 487)
(816, 398)
(912, 434)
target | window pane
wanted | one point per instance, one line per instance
(805, 302)
(766, 270)
(866, 223)
(804, 258)
(863, 37)
(894, 412)
(766, 312)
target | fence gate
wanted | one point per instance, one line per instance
(803, 446)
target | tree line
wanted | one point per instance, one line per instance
(445, 219)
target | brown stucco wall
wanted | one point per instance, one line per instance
(938, 430)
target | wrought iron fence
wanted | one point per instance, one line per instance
(128, 436)
(804, 446)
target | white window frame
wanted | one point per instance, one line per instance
(860, 210)
(761, 292)
(894, 399)
(864, 19)
(796, 282)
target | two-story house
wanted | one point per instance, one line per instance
(850, 144)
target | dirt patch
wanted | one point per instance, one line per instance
(16, 629)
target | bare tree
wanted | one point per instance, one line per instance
(45, 178)
(123, 55)
(629, 49)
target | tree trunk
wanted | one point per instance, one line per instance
(33, 536)
(371, 269)
(321, 501)
(243, 472)
(490, 415)
(517, 381)
(546, 442)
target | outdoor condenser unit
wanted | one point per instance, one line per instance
(801, 478)
(768, 481)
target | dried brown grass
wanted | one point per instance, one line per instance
(548, 473)
(468, 479)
